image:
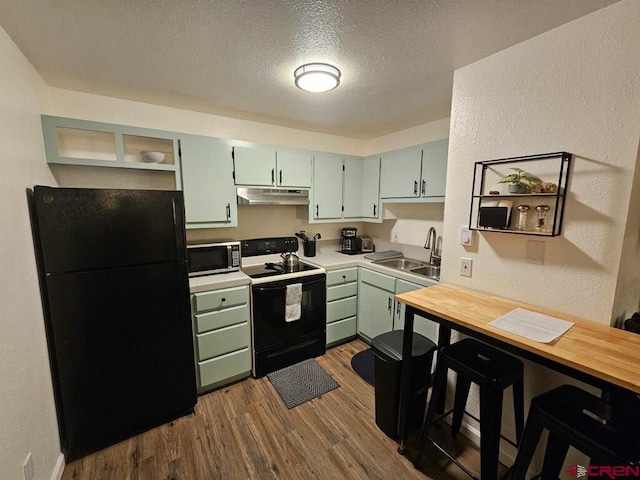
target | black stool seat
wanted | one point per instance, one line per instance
(493, 371)
(562, 412)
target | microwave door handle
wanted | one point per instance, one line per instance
(229, 255)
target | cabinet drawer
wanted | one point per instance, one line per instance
(340, 277)
(342, 291)
(223, 341)
(221, 318)
(225, 367)
(346, 307)
(378, 279)
(223, 298)
(340, 330)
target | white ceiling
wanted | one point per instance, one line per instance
(236, 57)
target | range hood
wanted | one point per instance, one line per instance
(272, 196)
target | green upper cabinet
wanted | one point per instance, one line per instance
(207, 182)
(327, 187)
(269, 166)
(293, 167)
(371, 187)
(352, 188)
(434, 168)
(345, 188)
(400, 173)
(417, 173)
(255, 165)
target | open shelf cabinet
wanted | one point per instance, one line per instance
(549, 167)
(70, 141)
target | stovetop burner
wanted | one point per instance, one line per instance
(271, 269)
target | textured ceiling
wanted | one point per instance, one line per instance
(236, 57)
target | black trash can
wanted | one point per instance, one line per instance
(387, 349)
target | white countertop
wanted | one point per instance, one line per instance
(328, 257)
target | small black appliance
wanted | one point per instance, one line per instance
(348, 240)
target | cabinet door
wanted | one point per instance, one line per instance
(400, 173)
(434, 168)
(207, 182)
(255, 165)
(371, 187)
(352, 190)
(421, 325)
(294, 168)
(327, 186)
(375, 310)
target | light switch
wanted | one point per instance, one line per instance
(535, 252)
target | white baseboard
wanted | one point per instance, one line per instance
(58, 469)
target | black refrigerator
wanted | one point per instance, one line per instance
(115, 293)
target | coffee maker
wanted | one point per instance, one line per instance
(348, 240)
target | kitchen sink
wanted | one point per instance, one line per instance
(431, 271)
(412, 266)
(401, 263)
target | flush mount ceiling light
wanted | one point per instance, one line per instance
(317, 77)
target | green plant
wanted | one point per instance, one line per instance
(521, 178)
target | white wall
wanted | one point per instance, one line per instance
(574, 88)
(27, 412)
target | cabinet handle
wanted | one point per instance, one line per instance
(424, 186)
(344, 277)
(389, 304)
(415, 187)
(398, 309)
(228, 211)
(273, 176)
(223, 299)
(280, 177)
(374, 209)
(317, 209)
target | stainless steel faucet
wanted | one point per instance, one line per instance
(430, 244)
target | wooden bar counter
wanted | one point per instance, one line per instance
(597, 354)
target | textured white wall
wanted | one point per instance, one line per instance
(27, 412)
(574, 88)
(67, 103)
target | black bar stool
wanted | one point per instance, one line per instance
(577, 418)
(493, 371)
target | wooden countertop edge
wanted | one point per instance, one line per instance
(573, 344)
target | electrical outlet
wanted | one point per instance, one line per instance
(465, 266)
(27, 467)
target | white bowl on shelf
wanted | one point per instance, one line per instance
(152, 157)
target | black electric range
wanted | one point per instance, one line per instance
(288, 305)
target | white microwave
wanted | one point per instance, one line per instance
(211, 258)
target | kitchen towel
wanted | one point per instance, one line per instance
(293, 309)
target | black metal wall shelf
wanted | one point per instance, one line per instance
(549, 167)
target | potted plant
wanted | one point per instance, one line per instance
(520, 181)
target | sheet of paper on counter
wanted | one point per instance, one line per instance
(532, 325)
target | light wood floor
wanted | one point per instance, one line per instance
(244, 431)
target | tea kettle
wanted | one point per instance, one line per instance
(289, 260)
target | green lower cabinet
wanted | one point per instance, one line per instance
(375, 304)
(421, 325)
(222, 336)
(379, 312)
(342, 305)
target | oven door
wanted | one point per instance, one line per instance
(278, 343)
